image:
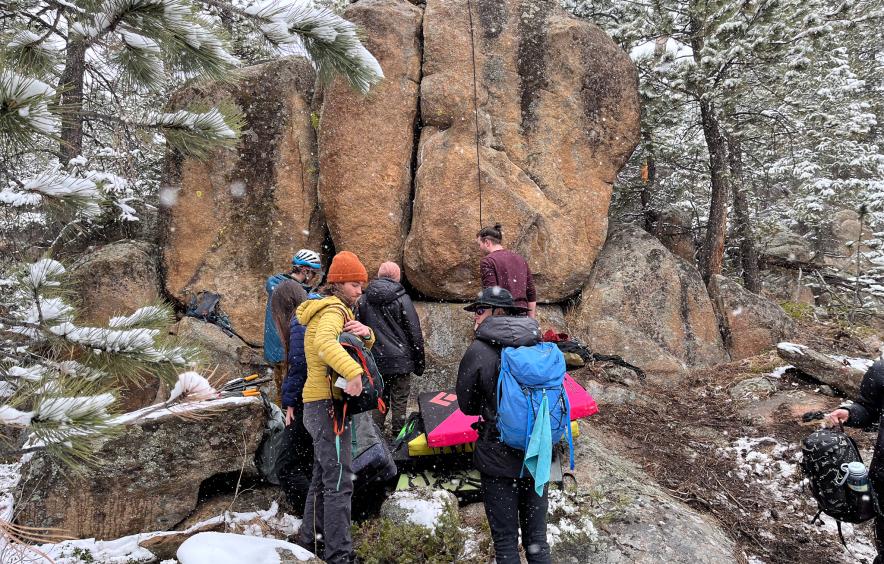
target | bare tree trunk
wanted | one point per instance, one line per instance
(71, 86)
(748, 254)
(649, 170)
(712, 251)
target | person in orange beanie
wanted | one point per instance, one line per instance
(327, 511)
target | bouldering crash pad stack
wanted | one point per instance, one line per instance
(435, 445)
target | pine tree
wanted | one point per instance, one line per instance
(94, 72)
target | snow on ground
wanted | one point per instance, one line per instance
(572, 522)
(419, 510)
(268, 524)
(228, 548)
(766, 463)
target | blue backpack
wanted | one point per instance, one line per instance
(533, 412)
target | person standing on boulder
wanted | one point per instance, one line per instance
(399, 350)
(506, 269)
(327, 509)
(305, 271)
(864, 412)
(511, 502)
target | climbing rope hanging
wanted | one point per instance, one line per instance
(475, 110)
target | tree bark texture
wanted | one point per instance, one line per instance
(748, 254)
(71, 87)
(712, 252)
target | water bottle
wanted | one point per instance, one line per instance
(859, 490)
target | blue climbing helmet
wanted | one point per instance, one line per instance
(308, 258)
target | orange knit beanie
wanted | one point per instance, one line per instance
(345, 267)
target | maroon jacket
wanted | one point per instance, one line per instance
(509, 270)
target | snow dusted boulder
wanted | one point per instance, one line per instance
(642, 523)
(228, 548)
(558, 117)
(448, 331)
(237, 217)
(756, 323)
(150, 474)
(227, 355)
(116, 279)
(648, 306)
(422, 507)
(366, 143)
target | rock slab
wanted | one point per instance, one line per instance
(756, 323)
(237, 217)
(647, 305)
(116, 279)
(366, 143)
(558, 115)
(638, 522)
(150, 474)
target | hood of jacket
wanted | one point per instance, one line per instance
(311, 308)
(507, 331)
(383, 291)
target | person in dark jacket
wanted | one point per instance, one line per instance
(864, 412)
(296, 465)
(511, 504)
(399, 349)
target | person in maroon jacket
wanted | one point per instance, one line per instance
(506, 269)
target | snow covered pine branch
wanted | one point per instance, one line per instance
(58, 379)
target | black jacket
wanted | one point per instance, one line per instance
(866, 411)
(477, 389)
(387, 309)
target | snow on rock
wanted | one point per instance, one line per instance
(229, 548)
(778, 372)
(791, 348)
(418, 507)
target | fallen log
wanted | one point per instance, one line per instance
(836, 372)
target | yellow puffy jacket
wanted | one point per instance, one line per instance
(324, 320)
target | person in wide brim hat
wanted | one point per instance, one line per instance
(496, 297)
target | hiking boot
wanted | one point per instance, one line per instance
(318, 549)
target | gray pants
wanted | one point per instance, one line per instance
(327, 510)
(396, 390)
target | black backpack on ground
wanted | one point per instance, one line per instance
(824, 452)
(206, 306)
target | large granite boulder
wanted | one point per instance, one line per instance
(648, 306)
(448, 331)
(558, 115)
(115, 280)
(755, 323)
(237, 217)
(366, 143)
(150, 474)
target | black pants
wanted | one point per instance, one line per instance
(297, 466)
(396, 390)
(512, 504)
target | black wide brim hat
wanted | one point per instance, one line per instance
(496, 297)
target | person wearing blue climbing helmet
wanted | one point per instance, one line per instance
(307, 269)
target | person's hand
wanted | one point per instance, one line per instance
(357, 329)
(354, 386)
(837, 417)
(289, 415)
